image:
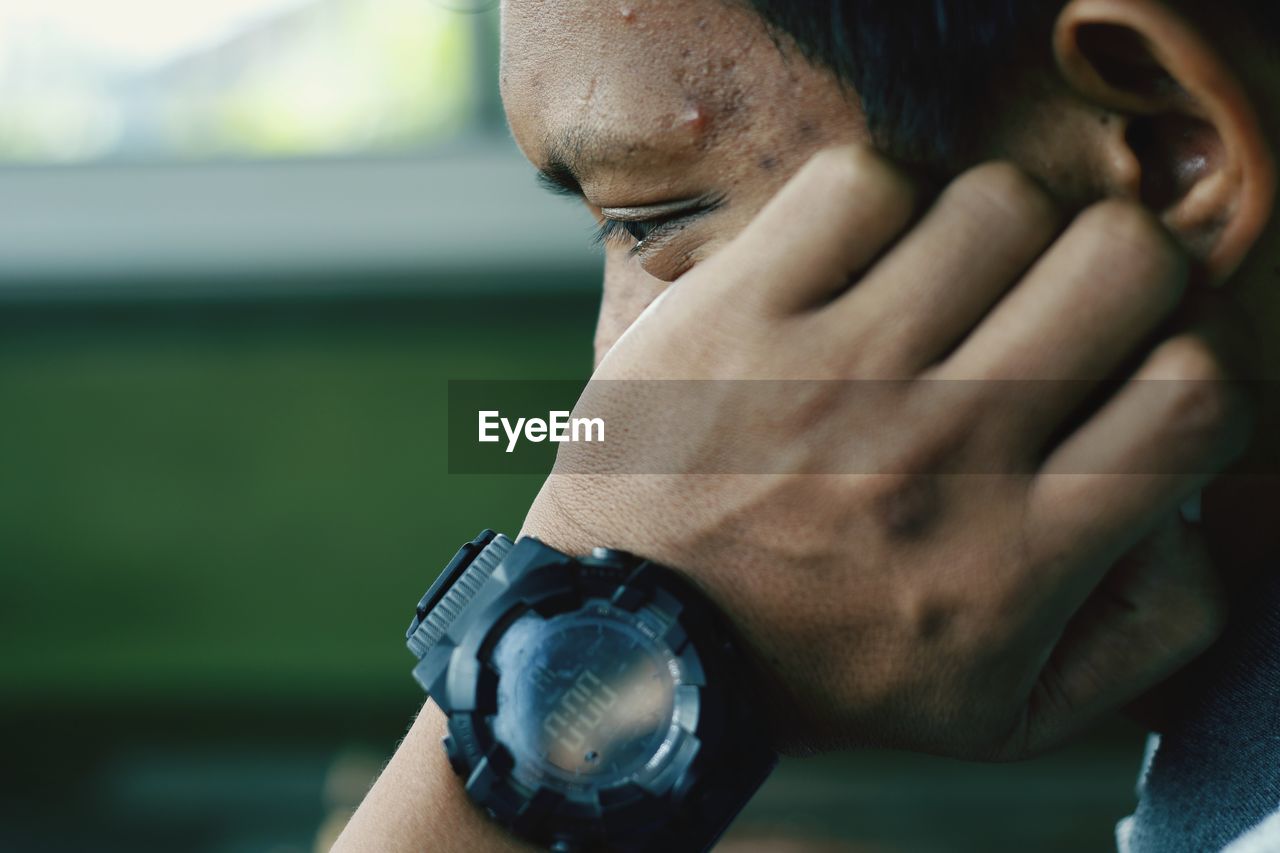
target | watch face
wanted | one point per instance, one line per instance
(584, 698)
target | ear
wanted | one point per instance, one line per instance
(1194, 150)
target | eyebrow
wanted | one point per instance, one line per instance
(556, 177)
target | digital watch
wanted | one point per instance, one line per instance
(594, 703)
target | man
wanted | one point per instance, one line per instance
(993, 570)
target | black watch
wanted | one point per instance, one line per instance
(594, 703)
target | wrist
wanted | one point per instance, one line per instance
(596, 700)
(417, 804)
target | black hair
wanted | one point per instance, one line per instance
(924, 70)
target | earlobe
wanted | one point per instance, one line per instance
(1206, 165)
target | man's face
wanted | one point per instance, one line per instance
(678, 120)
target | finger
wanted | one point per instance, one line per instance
(828, 223)
(1164, 435)
(1081, 311)
(929, 291)
(1159, 608)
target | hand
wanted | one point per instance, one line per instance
(920, 563)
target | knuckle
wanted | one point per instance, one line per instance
(930, 616)
(906, 506)
(812, 407)
(1009, 190)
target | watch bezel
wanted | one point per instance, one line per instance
(586, 814)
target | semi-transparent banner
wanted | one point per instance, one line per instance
(856, 427)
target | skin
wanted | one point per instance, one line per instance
(983, 617)
(721, 112)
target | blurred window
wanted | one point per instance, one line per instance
(190, 80)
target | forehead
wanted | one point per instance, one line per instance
(691, 72)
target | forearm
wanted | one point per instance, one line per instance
(418, 804)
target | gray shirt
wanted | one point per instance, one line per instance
(1211, 780)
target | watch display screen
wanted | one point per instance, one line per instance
(585, 696)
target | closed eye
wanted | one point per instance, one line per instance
(634, 231)
(626, 225)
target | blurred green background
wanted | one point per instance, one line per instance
(216, 518)
(230, 304)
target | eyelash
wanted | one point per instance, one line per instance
(616, 231)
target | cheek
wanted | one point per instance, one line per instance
(628, 290)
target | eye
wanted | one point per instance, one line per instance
(641, 229)
(629, 225)
(612, 231)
